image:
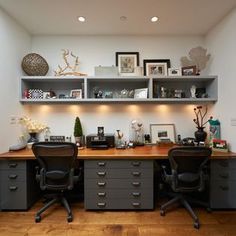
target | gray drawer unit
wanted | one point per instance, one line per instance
(223, 184)
(114, 164)
(18, 188)
(118, 184)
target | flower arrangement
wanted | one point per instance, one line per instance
(200, 119)
(32, 126)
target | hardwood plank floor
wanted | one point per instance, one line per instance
(116, 223)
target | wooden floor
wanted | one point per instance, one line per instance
(116, 223)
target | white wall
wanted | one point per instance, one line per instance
(100, 50)
(221, 43)
(15, 43)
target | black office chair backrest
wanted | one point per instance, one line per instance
(56, 160)
(187, 165)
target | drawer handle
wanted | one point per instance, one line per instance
(101, 204)
(224, 176)
(136, 173)
(101, 163)
(136, 163)
(136, 184)
(136, 194)
(136, 204)
(13, 165)
(12, 176)
(101, 194)
(224, 188)
(101, 173)
(101, 184)
(12, 188)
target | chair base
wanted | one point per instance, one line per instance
(182, 199)
(56, 199)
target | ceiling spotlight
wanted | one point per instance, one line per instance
(154, 19)
(123, 18)
(81, 19)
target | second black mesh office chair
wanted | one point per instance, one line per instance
(56, 173)
(188, 175)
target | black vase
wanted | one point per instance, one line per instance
(200, 134)
(33, 138)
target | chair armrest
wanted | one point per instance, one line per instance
(167, 178)
(37, 176)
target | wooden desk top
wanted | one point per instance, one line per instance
(145, 152)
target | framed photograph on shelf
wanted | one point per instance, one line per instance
(141, 93)
(189, 70)
(127, 62)
(174, 72)
(219, 145)
(76, 93)
(162, 133)
(156, 67)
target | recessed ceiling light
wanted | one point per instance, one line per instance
(123, 18)
(81, 19)
(154, 19)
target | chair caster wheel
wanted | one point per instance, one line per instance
(37, 219)
(209, 210)
(196, 225)
(162, 213)
(69, 218)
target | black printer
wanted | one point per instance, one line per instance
(104, 141)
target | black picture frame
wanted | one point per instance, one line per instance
(156, 67)
(126, 62)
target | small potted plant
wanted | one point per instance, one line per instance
(78, 133)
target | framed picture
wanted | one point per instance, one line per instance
(35, 94)
(100, 131)
(189, 70)
(162, 132)
(156, 67)
(127, 62)
(174, 72)
(219, 145)
(141, 93)
(76, 93)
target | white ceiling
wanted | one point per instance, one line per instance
(177, 17)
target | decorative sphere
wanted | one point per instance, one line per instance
(35, 65)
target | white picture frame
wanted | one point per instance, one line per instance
(174, 72)
(161, 132)
(76, 93)
(141, 93)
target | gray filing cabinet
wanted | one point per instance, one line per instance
(223, 184)
(118, 184)
(18, 188)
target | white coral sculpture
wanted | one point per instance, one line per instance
(198, 57)
(68, 69)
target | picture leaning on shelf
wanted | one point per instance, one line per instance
(219, 145)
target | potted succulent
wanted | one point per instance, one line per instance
(78, 133)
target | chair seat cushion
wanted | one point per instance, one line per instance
(56, 174)
(188, 177)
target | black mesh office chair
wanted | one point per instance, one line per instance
(56, 173)
(188, 174)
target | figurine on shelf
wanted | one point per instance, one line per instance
(119, 142)
(138, 136)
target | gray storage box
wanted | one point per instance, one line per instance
(106, 71)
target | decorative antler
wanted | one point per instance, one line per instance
(70, 70)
